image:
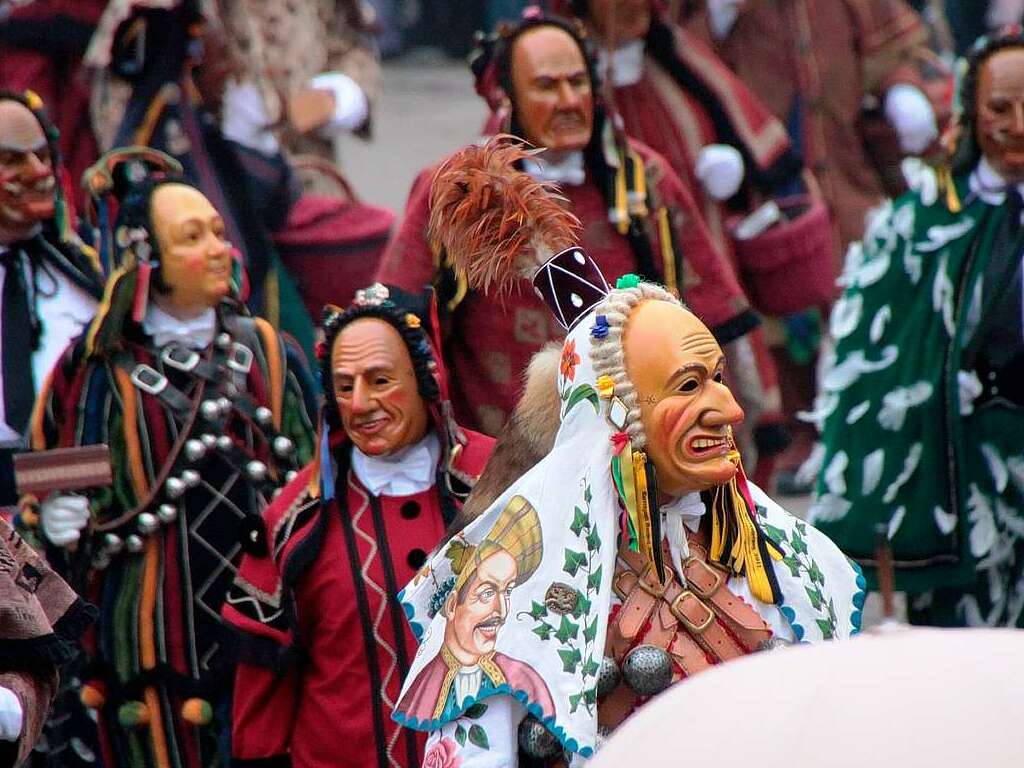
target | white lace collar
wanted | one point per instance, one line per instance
(403, 473)
(194, 333)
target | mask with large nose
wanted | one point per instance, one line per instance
(676, 366)
(27, 182)
(1000, 106)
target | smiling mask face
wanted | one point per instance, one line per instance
(1000, 122)
(677, 367)
(27, 181)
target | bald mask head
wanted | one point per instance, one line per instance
(27, 181)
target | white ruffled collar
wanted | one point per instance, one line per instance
(986, 183)
(569, 169)
(403, 473)
(626, 63)
(194, 333)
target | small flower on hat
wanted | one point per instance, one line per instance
(605, 387)
(628, 281)
(373, 296)
(600, 329)
(412, 321)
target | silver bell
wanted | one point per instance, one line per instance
(264, 415)
(112, 543)
(256, 470)
(224, 443)
(647, 670)
(194, 449)
(773, 644)
(283, 446)
(290, 475)
(208, 440)
(134, 543)
(175, 487)
(210, 410)
(536, 740)
(224, 405)
(608, 677)
(190, 477)
(167, 513)
(147, 523)
(223, 340)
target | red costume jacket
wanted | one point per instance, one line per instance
(325, 642)
(490, 342)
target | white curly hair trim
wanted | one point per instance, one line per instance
(607, 355)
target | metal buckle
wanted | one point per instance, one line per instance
(696, 588)
(148, 379)
(696, 629)
(187, 365)
(240, 358)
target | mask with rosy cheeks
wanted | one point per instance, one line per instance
(552, 90)
(676, 367)
(1000, 113)
(620, 21)
(27, 182)
(195, 259)
(375, 389)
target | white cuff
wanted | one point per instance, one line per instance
(351, 107)
(244, 117)
(911, 114)
(722, 15)
(720, 169)
(12, 715)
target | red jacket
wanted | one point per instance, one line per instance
(325, 643)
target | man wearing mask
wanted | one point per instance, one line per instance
(51, 282)
(635, 212)
(923, 435)
(322, 635)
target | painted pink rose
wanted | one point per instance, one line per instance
(444, 754)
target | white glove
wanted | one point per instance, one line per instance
(351, 107)
(911, 114)
(11, 715)
(722, 15)
(63, 518)
(720, 170)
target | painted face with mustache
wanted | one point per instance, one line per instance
(26, 172)
(375, 389)
(687, 410)
(1000, 110)
(552, 91)
(477, 611)
(195, 257)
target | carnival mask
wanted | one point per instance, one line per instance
(552, 91)
(1000, 121)
(375, 389)
(195, 259)
(26, 171)
(676, 366)
(620, 21)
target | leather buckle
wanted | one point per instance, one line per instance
(172, 355)
(647, 580)
(702, 592)
(696, 628)
(148, 379)
(239, 359)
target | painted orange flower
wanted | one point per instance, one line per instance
(569, 360)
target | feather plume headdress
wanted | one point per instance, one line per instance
(493, 221)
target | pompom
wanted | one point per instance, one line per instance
(197, 712)
(93, 695)
(133, 714)
(494, 222)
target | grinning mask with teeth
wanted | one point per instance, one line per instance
(27, 180)
(687, 411)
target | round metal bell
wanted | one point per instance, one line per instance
(283, 446)
(167, 513)
(191, 478)
(147, 523)
(256, 470)
(134, 543)
(263, 415)
(774, 644)
(223, 340)
(112, 543)
(208, 440)
(224, 405)
(290, 475)
(194, 449)
(224, 443)
(537, 741)
(647, 670)
(608, 677)
(175, 487)
(210, 410)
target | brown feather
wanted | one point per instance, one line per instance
(493, 221)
